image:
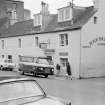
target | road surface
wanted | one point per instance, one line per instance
(79, 92)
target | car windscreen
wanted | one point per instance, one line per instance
(16, 90)
(42, 61)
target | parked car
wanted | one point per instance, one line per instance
(24, 91)
(7, 65)
(35, 66)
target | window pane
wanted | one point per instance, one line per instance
(43, 61)
(63, 39)
(19, 41)
(95, 20)
(36, 41)
(66, 39)
(2, 44)
(61, 15)
(67, 13)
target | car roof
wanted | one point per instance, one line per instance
(5, 79)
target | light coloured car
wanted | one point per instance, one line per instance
(7, 65)
(24, 91)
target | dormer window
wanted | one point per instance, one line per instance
(65, 14)
(61, 15)
(37, 19)
(12, 13)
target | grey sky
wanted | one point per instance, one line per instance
(35, 5)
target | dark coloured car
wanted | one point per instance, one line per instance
(35, 66)
(24, 91)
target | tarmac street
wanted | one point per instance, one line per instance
(79, 92)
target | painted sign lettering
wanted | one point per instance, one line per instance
(101, 39)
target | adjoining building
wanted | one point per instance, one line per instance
(12, 9)
(73, 35)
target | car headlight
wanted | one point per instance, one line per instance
(52, 69)
(41, 68)
(33, 67)
(69, 103)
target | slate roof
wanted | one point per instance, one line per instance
(27, 28)
(19, 28)
(81, 17)
(2, 24)
(85, 16)
(2, 21)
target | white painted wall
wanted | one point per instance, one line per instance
(28, 48)
(73, 49)
(93, 59)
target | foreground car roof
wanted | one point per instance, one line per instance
(13, 78)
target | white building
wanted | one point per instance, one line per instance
(93, 43)
(66, 36)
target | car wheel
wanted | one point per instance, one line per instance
(22, 72)
(3, 69)
(11, 69)
(35, 74)
(46, 75)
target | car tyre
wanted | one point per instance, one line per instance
(22, 72)
(35, 74)
(46, 75)
(11, 69)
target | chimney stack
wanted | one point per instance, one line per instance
(44, 9)
(96, 4)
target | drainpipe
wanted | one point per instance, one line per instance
(72, 12)
(80, 54)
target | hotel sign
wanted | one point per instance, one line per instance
(99, 40)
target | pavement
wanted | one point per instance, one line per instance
(61, 77)
(56, 77)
